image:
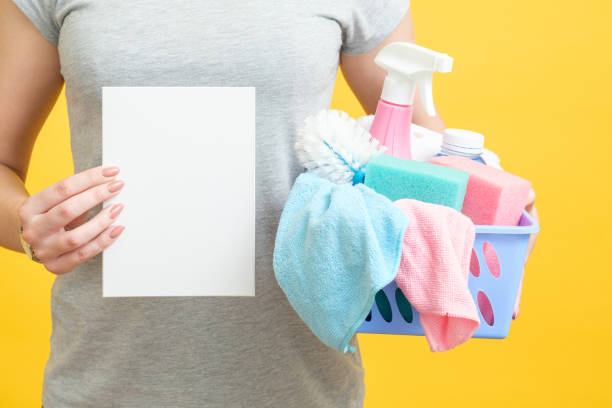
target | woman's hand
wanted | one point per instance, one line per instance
(531, 209)
(53, 219)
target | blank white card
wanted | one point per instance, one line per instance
(187, 156)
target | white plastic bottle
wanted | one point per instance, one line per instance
(464, 143)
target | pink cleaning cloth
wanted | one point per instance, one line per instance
(433, 272)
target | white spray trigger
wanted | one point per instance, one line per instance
(425, 81)
(408, 64)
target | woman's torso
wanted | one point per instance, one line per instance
(198, 351)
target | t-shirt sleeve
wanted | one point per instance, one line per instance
(370, 22)
(42, 14)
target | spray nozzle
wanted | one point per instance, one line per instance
(408, 64)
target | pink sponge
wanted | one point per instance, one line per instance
(493, 196)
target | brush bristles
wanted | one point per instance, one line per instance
(332, 133)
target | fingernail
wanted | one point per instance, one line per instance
(116, 231)
(115, 186)
(115, 210)
(110, 171)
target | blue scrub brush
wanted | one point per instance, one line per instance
(336, 147)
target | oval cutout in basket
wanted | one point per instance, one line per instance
(383, 305)
(486, 310)
(404, 306)
(474, 264)
(490, 256)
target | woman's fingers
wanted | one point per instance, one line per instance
(530, 200)
(532, 239)
(517, 302)
(51, 196)
(68, 261)
(66, 211)
(55, 222)
(66, 241)
(532, 210)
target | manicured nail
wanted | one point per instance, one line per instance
(110, 171)
(115, 186)
(115, 210)
(116, 231)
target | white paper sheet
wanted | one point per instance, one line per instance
(187, 156)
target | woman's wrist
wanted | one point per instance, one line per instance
(14, 215)
(14, 195)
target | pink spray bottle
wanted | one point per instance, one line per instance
(407, 65)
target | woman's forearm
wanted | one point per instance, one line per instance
(12, 195)
(30, 82)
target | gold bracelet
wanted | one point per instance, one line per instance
(27, 247)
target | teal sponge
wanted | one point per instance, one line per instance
(398, 178)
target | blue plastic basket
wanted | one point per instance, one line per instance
(493, 281)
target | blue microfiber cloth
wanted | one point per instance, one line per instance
(336, 246)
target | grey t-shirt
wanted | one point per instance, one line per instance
(202, 351)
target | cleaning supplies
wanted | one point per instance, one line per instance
(493, 196)
(464, 143)
(334, 146)
(426, 143)
(407, 65)
(433, 272)
(336, 246)
(398, 178)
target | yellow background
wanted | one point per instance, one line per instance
(535, 78)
